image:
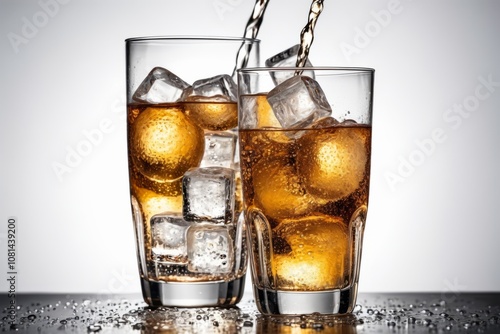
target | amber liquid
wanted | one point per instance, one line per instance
(305, 194)
(164, 141)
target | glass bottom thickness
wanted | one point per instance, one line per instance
(335, 302)
(193, 294)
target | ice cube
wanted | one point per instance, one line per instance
(165, 143)
(219, 150)
(298, 102)
(211, 103)
(286, 58)
(216, 113)
(160, 86)
(326, 122)
(208, 194)
(168, 232)
(247, 114)
(319, 256)
(220, 88)
(278, 190)
(255, 112)
(210, 249)
(334, 161)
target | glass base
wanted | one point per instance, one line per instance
(307, 302)
(193, 294)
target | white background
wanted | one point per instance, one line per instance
(433, 223)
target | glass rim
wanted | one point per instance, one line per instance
(307, 68)
(190, 38)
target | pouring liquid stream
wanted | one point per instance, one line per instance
(255, 21)
(307, 34)
(251, 31)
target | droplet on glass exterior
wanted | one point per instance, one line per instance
(94, 328)
(426, 322)
(391, 323)
(138, 326)
(427, 312)
(317, 326)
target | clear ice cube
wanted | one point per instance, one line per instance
(287, 58)
(160, 86)
(210, 249)
(247, 114)
(168, 233)
(219, 150)
(208, 194)
(298, 102)
(317, 257)
(333, 163)
(220, 88)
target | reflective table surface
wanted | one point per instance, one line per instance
(374, 313)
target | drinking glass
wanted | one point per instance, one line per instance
(305, 148)
(184, 174)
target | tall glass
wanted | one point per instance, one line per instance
(305, 150)
(185, 183)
